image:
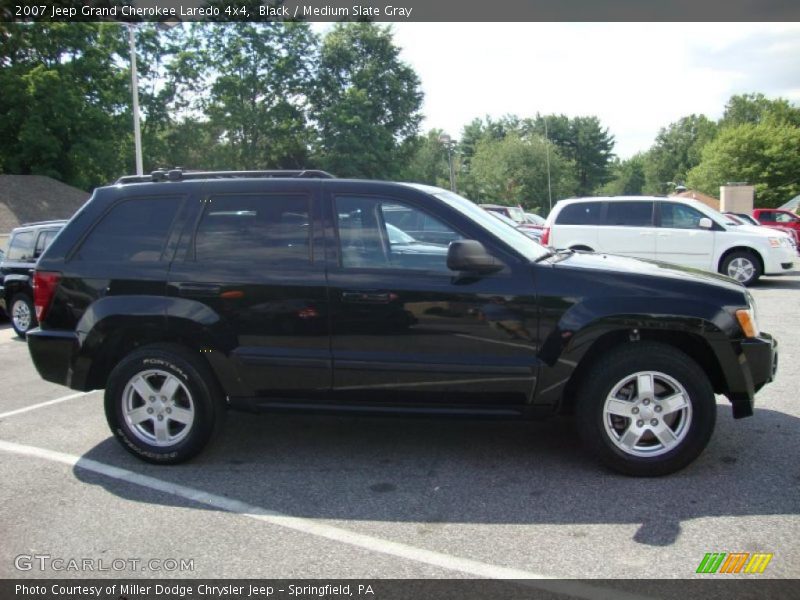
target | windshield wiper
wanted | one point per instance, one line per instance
(552, 253)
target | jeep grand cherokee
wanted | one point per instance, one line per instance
(186, 294)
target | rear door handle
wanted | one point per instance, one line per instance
(367, 297)
(198, 290)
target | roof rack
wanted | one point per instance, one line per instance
(37, 223)
(179, 174)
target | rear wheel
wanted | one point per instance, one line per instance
(743, 266)
(646, 409)
(22, 315)
(163, 404)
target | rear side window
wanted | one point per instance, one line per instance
(583, 213)
(21, 246)
(134, 230)
(630, 214)
(271, 229)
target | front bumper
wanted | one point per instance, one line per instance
(780, 260)
(756, 365)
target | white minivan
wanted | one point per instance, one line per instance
(674, 230)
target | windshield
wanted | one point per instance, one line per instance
(534, 219)
(732, 219)
(516, 213)
(510, 235)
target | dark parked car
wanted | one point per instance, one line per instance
(25, 246)
(185, 294)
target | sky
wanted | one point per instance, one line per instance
(635, 77)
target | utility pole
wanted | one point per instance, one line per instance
(137, 132)
(547, 159)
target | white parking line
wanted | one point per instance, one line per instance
(19, 411)
(312, 527)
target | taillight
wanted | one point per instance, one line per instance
(545, 236)
(44, 288)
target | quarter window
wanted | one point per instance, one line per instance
(273, 229)
(134, 230)
(630, 214)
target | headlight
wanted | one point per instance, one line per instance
(748, 318)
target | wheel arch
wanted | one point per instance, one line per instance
(740, 248)
(114, 329)
(692, 344)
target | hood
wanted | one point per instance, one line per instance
(613, 263)
(757, 230)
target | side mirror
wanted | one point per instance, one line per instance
(471, 256)
(705, 223)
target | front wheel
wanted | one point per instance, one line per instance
(742, 266)
(163, 404)
(646, 409)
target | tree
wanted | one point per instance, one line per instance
(676, 151)
(757, 108)
(513, 171)
(260, 76)
(763, 154)
(629, 177)
(64, 100)
(427, 160)
(365, 103)
(581, 140)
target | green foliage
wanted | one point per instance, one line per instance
(764, 154)
(676, 151)
(427, 160)
(259, 73)
(63, 100)
(513, 171)
(757, 108)
(582, 141)
(365, 102)
(628, 177)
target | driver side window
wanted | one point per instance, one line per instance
(387, 234)
(680, 216)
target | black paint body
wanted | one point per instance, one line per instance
(325, 337)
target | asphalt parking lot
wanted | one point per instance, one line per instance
(331, 497)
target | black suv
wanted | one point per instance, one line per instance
(26, 245)
(184, 294)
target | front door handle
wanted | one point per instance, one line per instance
(199, 290)
(367, 297)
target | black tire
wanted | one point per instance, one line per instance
(24, 302)
(747, 257)
(200, 395)
(599, 432)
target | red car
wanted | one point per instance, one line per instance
(777, 218)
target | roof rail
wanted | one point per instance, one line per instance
(37, 223)
(179, 174)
